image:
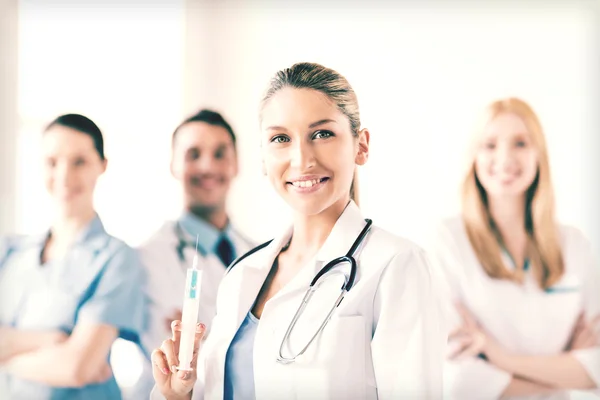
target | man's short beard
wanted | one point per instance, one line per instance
(204, 211)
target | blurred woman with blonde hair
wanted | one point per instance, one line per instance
(526, 289)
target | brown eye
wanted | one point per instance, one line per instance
(221, 152)
(193, 154)
(79, 162)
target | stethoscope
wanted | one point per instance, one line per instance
(314, 285)
(182, 243)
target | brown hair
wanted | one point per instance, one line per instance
(327, 81)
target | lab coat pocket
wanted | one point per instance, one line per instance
(335, 365)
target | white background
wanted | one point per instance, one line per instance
(421, 75)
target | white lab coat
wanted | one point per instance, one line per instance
(385, 341)
(525, 319)
(166, 275)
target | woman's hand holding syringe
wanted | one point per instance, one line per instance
(175, 383)
(174, 364)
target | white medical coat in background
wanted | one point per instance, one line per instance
(165, 291)
(385, 341)
(167, 275)
(524, 319)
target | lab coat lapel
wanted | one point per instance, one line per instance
(340, 240)
(254, 273)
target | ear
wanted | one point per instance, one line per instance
(172, 168)
(104, 165)
(363, 147)
(236, 164)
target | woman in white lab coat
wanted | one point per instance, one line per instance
(527, 290)
(386, 340)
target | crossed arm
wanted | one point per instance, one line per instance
(529, 374)
(16, 341)
(54, 359)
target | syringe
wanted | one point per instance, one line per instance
(189, 317)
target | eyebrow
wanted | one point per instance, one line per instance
(313, 125)
(219, 147)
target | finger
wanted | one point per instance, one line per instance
(458, 333)
(167, 323)
(470, 351)
(459, 346)
(200, 332)
(580, 324)
(176, 334)
(587, 337)
(186, 379)
(168, 348)
(183, 382)
(467, 317)
(160, 367)
(106, 373)
(589, 341)
(476, 346)
(595, 324)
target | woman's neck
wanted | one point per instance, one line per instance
(311, 231)
(66, 227)
(508, 215)
(63, 232)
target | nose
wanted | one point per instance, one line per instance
(206, 163)
(302, 156)
(504, 157)
(63, 173)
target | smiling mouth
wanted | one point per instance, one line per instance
(308, 183)
(206, 182)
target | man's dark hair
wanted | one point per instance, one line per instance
(207, 116)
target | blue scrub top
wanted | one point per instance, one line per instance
(239, 362)
(99, 281)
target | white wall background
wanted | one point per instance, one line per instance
(8, 114)
(123, 67)
(421, 74)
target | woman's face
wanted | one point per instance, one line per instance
(72, 166)
(506, 161)
(309, 151)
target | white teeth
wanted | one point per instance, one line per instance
(306, 183)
